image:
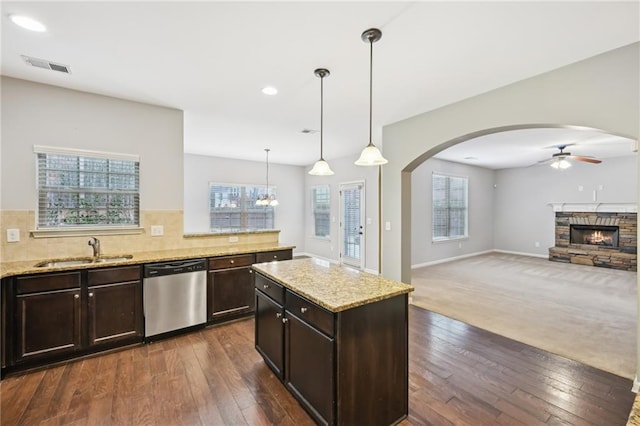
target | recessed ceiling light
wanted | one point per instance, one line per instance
(28, 23)
(270, 90)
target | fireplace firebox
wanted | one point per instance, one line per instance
(595, 235)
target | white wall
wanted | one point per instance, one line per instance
(289, 181)
(345, 171)
(39, 114)
(600, 92)
(481, 212)
(522, 212)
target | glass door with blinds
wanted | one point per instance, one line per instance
(352, 224)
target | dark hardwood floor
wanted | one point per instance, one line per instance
(459, 375)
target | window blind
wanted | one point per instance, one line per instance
(449, 207)
(321, 204)
(232, 208)
(76, 189)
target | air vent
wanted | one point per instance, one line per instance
(309, 131)
(48, 65)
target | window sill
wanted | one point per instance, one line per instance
(448, 240)
(83, 232)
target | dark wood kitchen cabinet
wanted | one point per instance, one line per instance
(230, 286)
(58, 316)
(47, 316)
(269, 332)
(275, 255)
(345, 368)
(114, 311)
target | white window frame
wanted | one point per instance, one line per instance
(240, 211)
(95, 219)
(314, 211)
(436, 213)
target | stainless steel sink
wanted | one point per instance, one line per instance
(82, 261)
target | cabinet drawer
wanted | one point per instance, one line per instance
(271, 288)
(226, 262)
(49, 282)
(269, 256)
(113, 275)
(308, 311)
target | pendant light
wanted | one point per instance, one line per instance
(321, 167)
(267, 199)
(370, 155)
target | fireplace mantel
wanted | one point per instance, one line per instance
(595, 207)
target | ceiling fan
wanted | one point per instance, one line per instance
(560, 160)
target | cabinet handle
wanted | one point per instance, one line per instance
(250, 271)
(90, 294)
(278, 315)
(76, 296)
(275, 256)
(303, 310)
(231, 262)
(284, 320)
(265, 286)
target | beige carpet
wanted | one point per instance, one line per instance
(584, 313)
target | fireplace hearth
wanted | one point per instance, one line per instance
(596, 238)
(606, 236)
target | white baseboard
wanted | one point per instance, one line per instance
(449, 259)
(464, 256)
(636, 385)
(519, 253)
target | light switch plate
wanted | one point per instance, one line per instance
(13, 235)
(157, 230)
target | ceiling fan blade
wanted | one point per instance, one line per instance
(587, 159)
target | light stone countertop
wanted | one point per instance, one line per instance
(8, 269)
(334, 287)
(634, 416)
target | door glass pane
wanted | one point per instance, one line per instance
(351, 222)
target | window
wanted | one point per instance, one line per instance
(450, 209)
(232, 208)
(86, 189)
(320, 205)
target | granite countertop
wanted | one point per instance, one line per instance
(334, 287)
(634, 416)
(8, 269)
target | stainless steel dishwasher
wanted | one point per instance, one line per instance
(175, 295)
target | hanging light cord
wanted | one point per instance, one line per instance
(267, 195)
(321, 112)
(371, 92)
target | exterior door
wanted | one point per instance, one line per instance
(352, 224)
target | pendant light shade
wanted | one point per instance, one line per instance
(371, 155)
(267, 199)
(321, 167)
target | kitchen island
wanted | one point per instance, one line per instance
(337, 338)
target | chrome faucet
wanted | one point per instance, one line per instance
(95, 243)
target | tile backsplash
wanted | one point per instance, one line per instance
(29, 248)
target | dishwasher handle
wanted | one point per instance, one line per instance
(172, 268)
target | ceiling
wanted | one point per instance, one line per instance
(210, 59)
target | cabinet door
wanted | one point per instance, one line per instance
(47, 324)
(309, 363)
(230, 292)
(270, 332)
(115, 313)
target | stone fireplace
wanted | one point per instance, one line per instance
(596, 235)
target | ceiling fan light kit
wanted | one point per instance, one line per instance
(371, 155)
(560, 160)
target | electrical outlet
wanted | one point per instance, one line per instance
(537, 243)
(233, 239)
(13, 235)
(157, 230)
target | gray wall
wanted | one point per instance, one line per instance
(481, 212)
(289, 180)
(523, 215)
(345, 171)
(600, 92)
(39, 114)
